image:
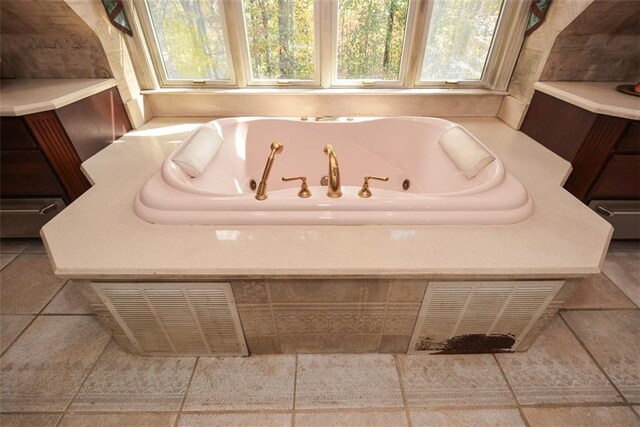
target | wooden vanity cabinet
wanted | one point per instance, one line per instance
(604, 152)
(41, 154)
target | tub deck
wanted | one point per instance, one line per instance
(99, 236)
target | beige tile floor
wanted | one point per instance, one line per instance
(59, 367)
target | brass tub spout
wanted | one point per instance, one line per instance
(334, 190)
(276, 148)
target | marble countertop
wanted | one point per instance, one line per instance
(100, 237)
(19, 97)
(597, 97)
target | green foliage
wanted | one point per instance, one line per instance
(281, 38)
(190, 37)
(370, 38)
(459, 39)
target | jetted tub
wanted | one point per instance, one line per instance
(402, 148)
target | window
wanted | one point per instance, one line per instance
(459, 39)
(370, 39)
(280, 40)
(191, 40)
(334, 43)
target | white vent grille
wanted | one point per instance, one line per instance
(460, 317)
(176, 318)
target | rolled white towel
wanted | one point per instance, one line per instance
(466, 153)
(198, 150)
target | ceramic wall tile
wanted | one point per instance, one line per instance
(556, 370)
(613, 338)
(347, 381)
(400, 319)
(28, 284)
(453, 380)
(69, 300)
(125, 382)
(44, 369)
(256, 319)
(394, 343)
(368, 418)
(581, 416)
(262, 344)
(242, 383)
(255, 419)
(467, 417)
(623, 268)
(250, 291)
(329, 318)
(10, 328)
(119, 420)
(319, 343)
(407, 290)
(289, 291)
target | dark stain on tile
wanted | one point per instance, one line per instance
(472, 343)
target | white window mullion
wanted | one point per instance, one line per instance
(236, 36)
(329, 41)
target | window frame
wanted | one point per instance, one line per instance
(243, 47)
(369, 83)
(512, 13)
(502, 56)
(144, 18)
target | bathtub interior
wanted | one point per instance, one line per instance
(398, 148)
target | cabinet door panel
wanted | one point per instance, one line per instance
(14, 135)
(620, 178)
(27, 173)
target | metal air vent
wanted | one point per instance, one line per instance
(475, 317)
(176, 319)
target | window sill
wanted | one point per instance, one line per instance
(320, 91)
(218, 102)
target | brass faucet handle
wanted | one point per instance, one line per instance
(365, 192)
(379, 178)
(304, 189)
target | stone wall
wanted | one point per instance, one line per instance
(602, 44)
(45, 39)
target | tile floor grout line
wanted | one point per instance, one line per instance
(402, 390)
(524, 417)
(615, 387)
(10, 262)
(66, 410)
(619, 288)
(186, 391)
(633, 409)
(506, 380)
(53, 297)
(15, 340)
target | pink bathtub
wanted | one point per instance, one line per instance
(404, 148)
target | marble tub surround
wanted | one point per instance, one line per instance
(597, 97)
(92, 239)
(27, 96)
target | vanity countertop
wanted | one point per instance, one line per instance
(100, 237)
(19, 97)
(597, 97)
